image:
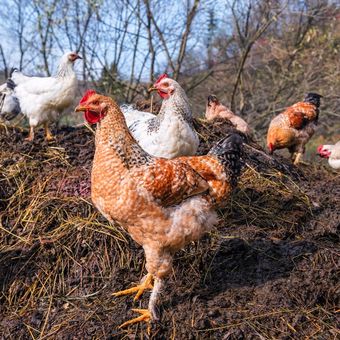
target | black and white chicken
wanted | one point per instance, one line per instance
(9, 103)
(170, 133)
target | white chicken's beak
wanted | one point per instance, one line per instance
(74, 57)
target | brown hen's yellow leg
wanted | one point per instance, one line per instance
(4, 126)
(48, 133)
(145, 316)
(146, 284)
(30, 135)
(297, 158)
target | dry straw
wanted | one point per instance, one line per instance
(61, 260)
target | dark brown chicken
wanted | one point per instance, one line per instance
(294, 127)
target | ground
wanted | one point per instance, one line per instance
(267, 271)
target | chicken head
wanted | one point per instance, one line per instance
(164, 85)
(73, 56)
(94, 106)
(323, 151)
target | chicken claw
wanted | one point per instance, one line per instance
(31, 135)
(297, 158)
(48, 134)
(145, 316)
(145, 284)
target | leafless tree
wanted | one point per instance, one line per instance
(247, 31)
(256, 55)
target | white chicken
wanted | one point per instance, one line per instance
(170, 133)
(43, 99)
(332, 153)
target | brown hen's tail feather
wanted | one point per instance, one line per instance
(313, 98)
(229, 152)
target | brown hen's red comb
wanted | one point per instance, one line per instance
(86, 96)
(162, 76)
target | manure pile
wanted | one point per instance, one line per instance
(268, 270)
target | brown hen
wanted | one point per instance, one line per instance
(294, 127)
(164, 204)
(215, 109)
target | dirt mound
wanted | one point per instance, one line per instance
(267, 271)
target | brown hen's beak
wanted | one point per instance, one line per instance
(152, 88)
(80, 108)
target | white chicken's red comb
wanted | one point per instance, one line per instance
(87, 95)
(162, 76)
(320, 147)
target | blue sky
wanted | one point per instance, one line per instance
(109, 37)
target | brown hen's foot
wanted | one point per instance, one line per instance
(145, 316)
(145, 284)
(48, 134)
(5, 127)
(304, 163)
(297, 158)
(50, 138)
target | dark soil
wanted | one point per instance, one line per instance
(268, 271)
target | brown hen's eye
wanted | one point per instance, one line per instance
(165, 84)
(95, 102)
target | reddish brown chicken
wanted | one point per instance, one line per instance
(164, 204)
(293, 128)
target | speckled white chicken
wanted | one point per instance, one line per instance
(43, 99)
(170, 133)
(9, 104)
